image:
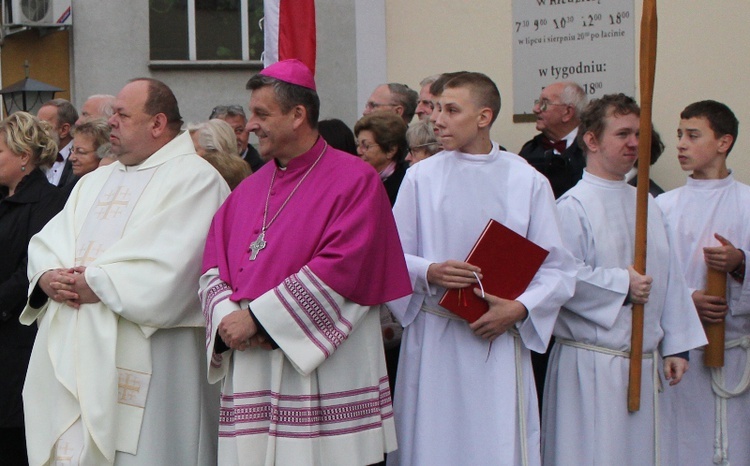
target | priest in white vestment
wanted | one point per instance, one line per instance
(297, 264)
(465, 394)
(585, 420)
(116, 374)
(707, 417)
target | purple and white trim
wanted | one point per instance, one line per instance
(305, 416)
(211, 296)
(312, 307)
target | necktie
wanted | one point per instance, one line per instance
(558, 146)
(59, 158)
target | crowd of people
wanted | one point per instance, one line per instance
(173, 294)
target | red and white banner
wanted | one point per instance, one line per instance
(289, 31)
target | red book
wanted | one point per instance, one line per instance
(508, 262)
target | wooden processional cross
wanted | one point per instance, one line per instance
(647, 72)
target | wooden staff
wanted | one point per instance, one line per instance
(648, 70)
(713, 356)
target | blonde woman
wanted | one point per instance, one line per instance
(27, 202)
(215, 141)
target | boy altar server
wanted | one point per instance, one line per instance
(585, 419)
(706, 417)
(465, 392)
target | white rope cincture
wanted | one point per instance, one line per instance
(721, 395)
(520, 401)
(657, 388)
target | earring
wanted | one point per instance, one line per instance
(23, 168)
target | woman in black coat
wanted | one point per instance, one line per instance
(27, 202)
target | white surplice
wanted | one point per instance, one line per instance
(585, 419)
(129, 366)
(456, 398)
(693, 214)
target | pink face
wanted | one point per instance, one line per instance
(83, 156)
(380, 100)
(131, 126)
(11, 164)
(417, 155)
(239, 126)
(275, 130)
(614, 154)
(550, 120)
(699, 150)
(457, 119)
(425, 104)
(370, 151)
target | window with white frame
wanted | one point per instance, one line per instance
(205, 30)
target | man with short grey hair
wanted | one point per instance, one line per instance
(554, 151)
(394, 97)
(96, 106)
(235, 116)
(426, 104)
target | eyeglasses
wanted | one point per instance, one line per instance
(427, 103)
(544, 104)
(364, 145)
(227, 110)
(80, 151)
(419, 146)
(375, 105)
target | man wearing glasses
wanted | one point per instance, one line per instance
(554, 151)
(393, 97)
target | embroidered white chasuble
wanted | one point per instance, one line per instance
(126, 367)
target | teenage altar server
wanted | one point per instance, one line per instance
(709, 220)
(585, 419)
(465, 392)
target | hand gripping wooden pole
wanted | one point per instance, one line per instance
(648, 70)
(713, 356)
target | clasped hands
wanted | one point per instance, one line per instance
(239, 332)
(68, 286)
(502, 314)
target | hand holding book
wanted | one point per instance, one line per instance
(453, 274)
(509, 262)
(501, 316)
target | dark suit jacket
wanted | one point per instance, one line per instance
(393, 182)
(22, 215)
(653, 188)
(67, 178)
(562, 170)
(252, 157)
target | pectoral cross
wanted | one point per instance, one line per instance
(257, 245)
